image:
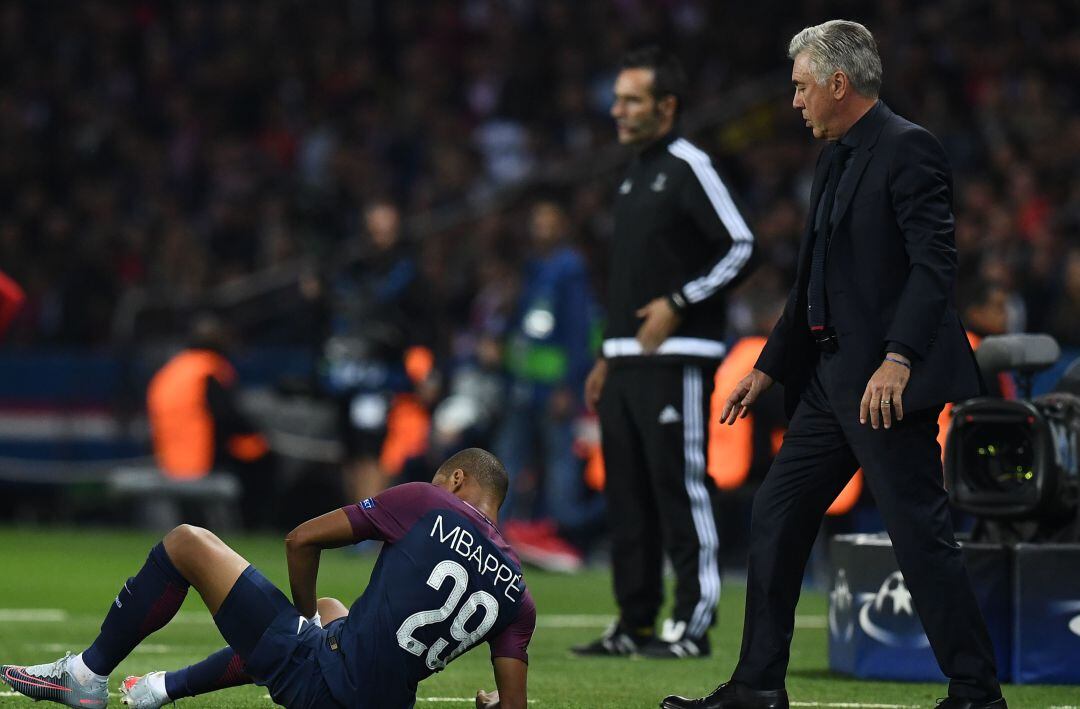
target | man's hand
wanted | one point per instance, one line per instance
(594, 385)
(883, 398)
(484, 700)
(660, 321)
(745, 393)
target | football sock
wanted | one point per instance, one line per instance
(82, 673)
(222, 669)
(145, 604)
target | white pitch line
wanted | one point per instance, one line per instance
(144, 648)
(854, 705)
(32, 615)
(463, 700)
(554, 621)
(471, 700)
(50, 647)
(456, 700)
(602, 621)
(57, 615)
(573, 621)
(17, 694)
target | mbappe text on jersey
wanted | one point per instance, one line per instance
(463, 543)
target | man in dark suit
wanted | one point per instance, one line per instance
(869, 348)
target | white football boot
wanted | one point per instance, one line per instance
(56, 682)
(144, 692)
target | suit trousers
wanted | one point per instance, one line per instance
(653, 423)
(824, 445)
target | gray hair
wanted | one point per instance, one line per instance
(841, 45)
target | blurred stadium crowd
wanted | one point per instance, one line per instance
(394, 150)
(175, 146)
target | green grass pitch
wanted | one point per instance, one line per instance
(55, 586)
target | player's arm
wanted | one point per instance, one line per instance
(303, 547)
(385, 516)
(511, 675)
(510, 660)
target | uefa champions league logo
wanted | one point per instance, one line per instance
(886, 616)
(890, 619)
(1069, 608)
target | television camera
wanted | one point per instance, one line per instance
(1015, 464)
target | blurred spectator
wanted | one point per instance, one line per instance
(469, 414)
(175, 147)
(984, 307)
(1064, 322)
(547, 358)
(379, 362)
(984, 311)
(198, 427)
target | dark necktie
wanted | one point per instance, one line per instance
(817, 313)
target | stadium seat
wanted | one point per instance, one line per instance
(158, 502)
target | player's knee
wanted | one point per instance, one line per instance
(186, 540)
(331, 609)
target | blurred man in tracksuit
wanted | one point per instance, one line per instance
(680, 243)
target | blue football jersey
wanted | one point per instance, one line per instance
(444, 582)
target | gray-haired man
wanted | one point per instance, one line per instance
(869, 349)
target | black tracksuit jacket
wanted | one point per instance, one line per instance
(678, 234)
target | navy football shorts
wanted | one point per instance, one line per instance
(277, 644)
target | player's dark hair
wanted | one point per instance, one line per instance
(481, 466)
(669, 77)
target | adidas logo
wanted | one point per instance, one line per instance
(669, 415)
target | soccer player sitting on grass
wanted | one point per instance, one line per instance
(444, 582)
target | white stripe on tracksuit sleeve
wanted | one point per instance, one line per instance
(742, 240)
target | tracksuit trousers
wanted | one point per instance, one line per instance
(654, 424)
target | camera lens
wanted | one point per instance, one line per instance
(1000, 458)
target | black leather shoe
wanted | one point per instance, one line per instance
(959, 703)
(732, 695)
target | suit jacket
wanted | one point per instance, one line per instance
(890, 273)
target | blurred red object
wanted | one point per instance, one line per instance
(12, 298)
